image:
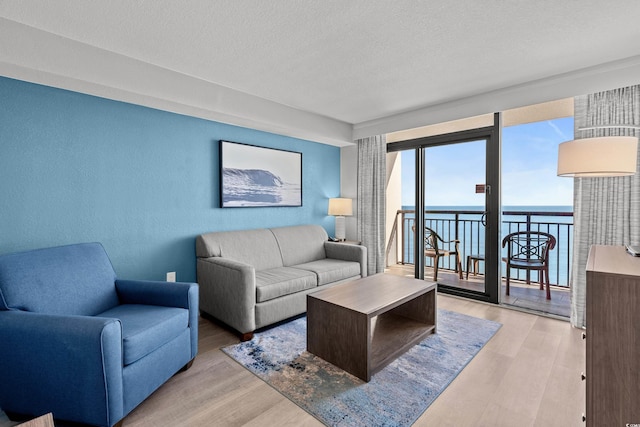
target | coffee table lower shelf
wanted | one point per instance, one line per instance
(364, 325)
(392, 336)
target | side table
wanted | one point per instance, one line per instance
(475, 259)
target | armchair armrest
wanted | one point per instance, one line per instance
(167, 294)
(348, 252)
(79, 356)
(228, 291)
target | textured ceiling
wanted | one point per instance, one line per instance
(351, 60)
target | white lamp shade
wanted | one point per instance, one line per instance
(340, 207)
(597, 157)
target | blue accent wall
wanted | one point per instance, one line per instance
(144, 182)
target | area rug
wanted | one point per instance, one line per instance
(395, 396)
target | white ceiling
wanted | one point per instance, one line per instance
(351, 62)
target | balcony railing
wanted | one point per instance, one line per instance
(467, 227)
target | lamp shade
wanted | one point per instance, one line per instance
(340, 207)
(598, 157)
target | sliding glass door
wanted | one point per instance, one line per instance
(455, 206)
(452, 234)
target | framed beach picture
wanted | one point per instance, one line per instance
(252, 176)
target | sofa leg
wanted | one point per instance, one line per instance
(119, 423)
(188, 365)
(248, 336)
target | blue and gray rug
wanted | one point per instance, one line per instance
(395, 396)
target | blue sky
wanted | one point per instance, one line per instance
(529, 163)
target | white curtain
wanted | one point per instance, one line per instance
(371, 206)
(606, 210)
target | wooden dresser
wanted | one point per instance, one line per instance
(613, 337)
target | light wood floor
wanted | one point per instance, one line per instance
(522, 295)
(527, 375)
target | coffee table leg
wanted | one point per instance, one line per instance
(339, 336)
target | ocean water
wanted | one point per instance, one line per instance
(256, 187)
(470, 232)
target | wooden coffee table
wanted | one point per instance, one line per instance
(363, 325)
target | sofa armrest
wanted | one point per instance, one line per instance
(228, 291)
(79, 356)
(167, 294)
(348, 252)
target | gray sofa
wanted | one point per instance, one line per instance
(253, 278)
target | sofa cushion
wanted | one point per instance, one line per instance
(301, 243)
(278, 282)
(331, 270)
(257, 248)
(147, 327)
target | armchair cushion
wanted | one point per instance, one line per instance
(278, 282)
(175, 294)
(70, 280)
(146, 328)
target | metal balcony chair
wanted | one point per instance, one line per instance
(435, 247)
(529, 250)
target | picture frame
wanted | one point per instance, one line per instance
(254, 176)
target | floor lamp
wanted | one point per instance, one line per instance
(598, 157)
(340, 207)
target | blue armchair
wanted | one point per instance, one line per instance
(78, 342)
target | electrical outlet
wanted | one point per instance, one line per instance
(171, 276)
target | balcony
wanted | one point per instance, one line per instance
(467, 227)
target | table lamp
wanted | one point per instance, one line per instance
(340, 207)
